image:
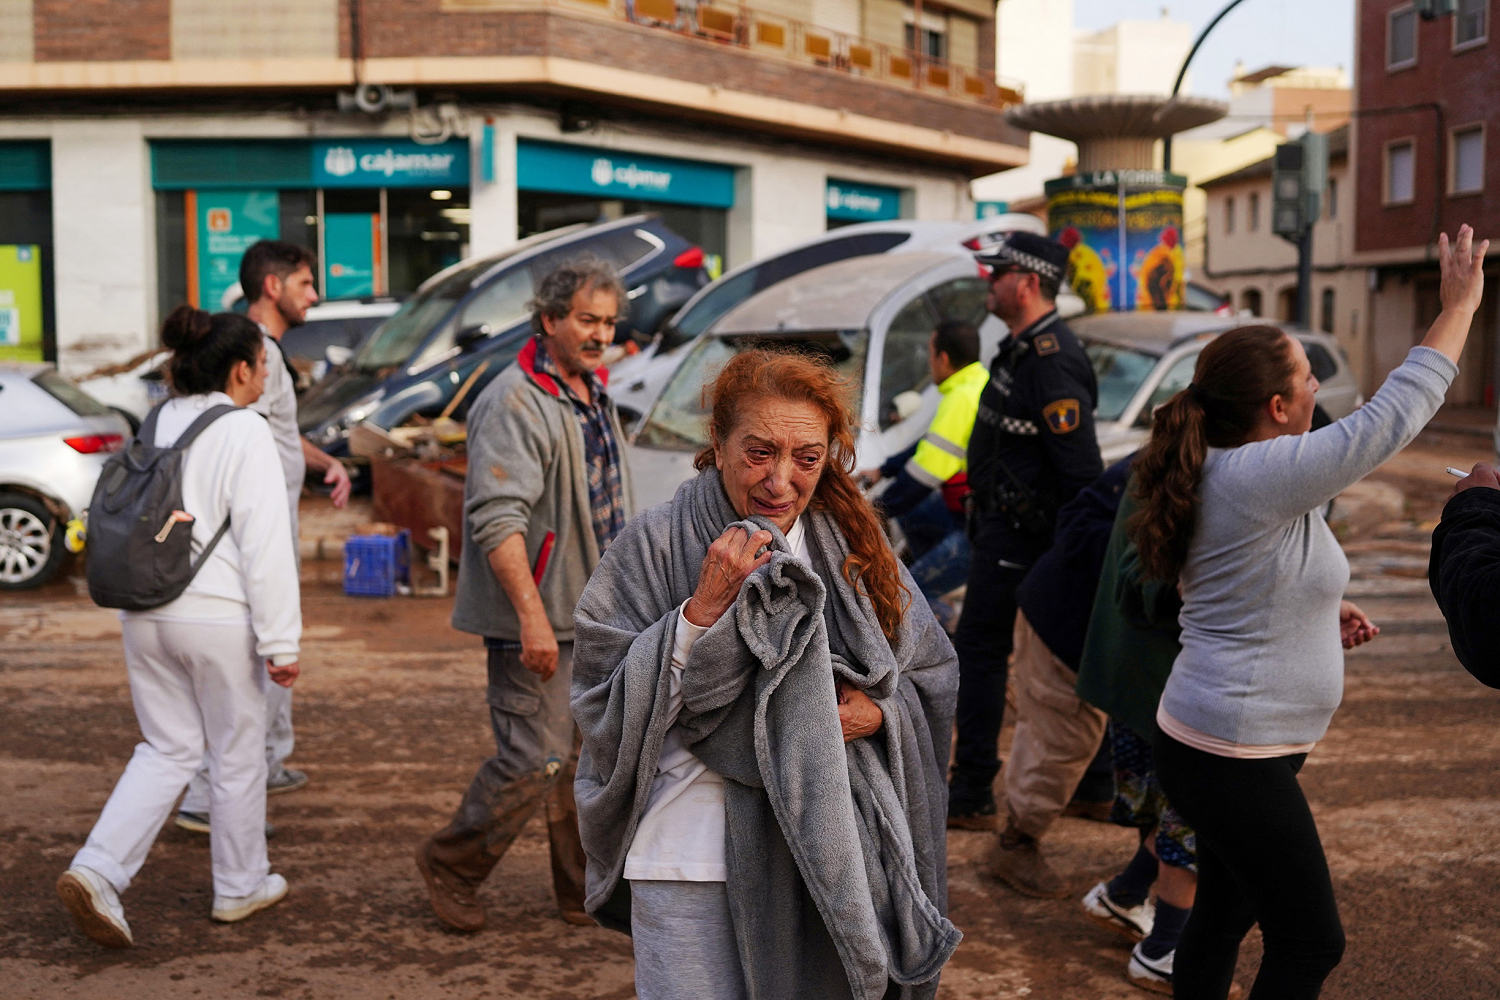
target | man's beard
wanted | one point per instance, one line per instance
(292, 317)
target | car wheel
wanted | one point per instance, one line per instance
(31, 543)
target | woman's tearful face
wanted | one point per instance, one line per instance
(773, 457)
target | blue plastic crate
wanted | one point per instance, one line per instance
(375, 564)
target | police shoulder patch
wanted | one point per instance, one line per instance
(1062, 415)
(1046, 344)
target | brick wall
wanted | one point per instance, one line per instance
(84, 30)
(1464, 83)
(144, 30)
(416, 27)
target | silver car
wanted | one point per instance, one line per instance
(53, 442)
(1142, 359)
(871, 316)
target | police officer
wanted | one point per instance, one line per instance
(1032, 449)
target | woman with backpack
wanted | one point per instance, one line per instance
(200, 663)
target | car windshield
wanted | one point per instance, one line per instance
(679, 420)
(400, 336)
(1121, 372)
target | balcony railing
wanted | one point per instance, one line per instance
(740, 26)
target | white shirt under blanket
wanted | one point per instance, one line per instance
(681, 835)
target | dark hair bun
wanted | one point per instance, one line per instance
(184, 326)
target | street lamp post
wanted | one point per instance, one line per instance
(1166, 144)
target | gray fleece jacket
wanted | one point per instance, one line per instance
(1261, 661)
(835, 852)
(527, 474)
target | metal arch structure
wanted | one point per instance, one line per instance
(1166, 143)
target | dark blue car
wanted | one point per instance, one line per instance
(473, 318)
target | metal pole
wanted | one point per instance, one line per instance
(1304, 277)
(1166, 144)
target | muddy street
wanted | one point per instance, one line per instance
(391, 721)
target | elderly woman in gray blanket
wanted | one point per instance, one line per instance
(766, 715)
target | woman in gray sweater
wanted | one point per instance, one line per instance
(1230, 487)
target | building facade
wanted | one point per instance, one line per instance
(1257, 269)
(143, 146)
(1424, 142)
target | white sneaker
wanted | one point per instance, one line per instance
(95, 906)
(1133, 921)
(1154, 974)
(228, 909)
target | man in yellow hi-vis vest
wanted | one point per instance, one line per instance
(930, 480)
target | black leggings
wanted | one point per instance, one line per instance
(1259, 861)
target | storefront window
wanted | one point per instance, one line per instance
(425, 234)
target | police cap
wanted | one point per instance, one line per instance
(1027, 252)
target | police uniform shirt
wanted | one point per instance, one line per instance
(1036, 419)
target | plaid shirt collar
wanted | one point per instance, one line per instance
(601, 451)
(545, 364)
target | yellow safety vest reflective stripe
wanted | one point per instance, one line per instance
(943, 451)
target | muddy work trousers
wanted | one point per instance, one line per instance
(1057, 734)
(536, 754)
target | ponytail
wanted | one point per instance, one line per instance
(1236, 374)
(1166, 476)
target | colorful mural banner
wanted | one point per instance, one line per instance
(20, 302)
(1123, 230)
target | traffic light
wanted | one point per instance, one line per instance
(1429, 9)
(1299, 173)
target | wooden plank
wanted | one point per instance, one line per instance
(862, 57)
(899, 67)
(818, 46)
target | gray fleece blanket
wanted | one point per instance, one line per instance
(835, 852)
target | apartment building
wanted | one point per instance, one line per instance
(1257, 269)
(144, 145)
(1425, 134)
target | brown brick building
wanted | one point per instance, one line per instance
(1424, 140)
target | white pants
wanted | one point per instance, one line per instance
(279, 743)
(200, 695)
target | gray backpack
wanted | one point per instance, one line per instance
(139, 539)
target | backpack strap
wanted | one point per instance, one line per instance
(186, 438)
(207, 549)
(147, 433)
(197, 426)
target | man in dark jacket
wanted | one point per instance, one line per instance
(1464, 572)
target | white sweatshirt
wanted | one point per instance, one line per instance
(251, 575)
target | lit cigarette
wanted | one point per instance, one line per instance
(1459, 473)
